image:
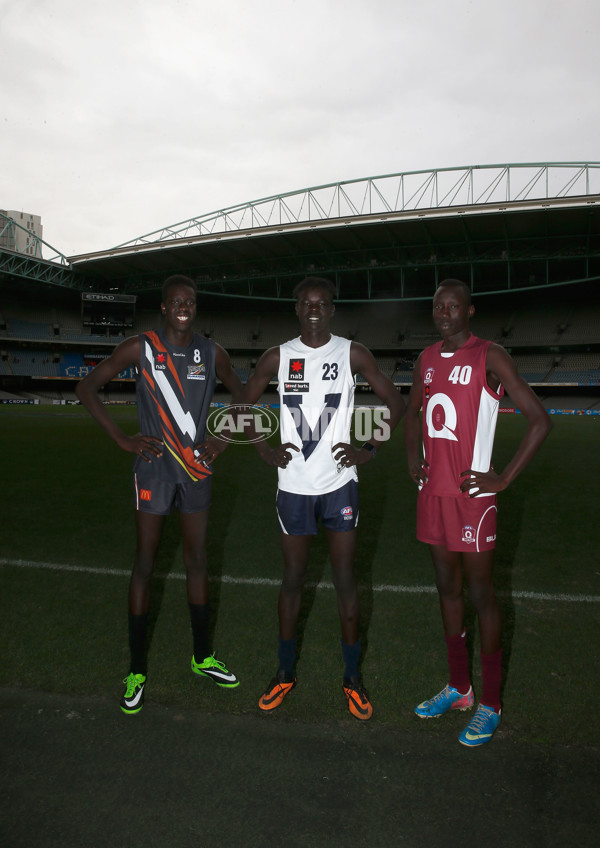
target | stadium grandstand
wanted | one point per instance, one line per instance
(525, 237)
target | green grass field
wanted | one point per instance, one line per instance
(68, 507)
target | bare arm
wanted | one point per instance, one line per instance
(267, 367)
(502, 369)
(212, 446)
(227, 375)
(417, 467)
(123, 357)
(363, 361)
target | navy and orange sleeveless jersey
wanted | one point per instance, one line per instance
(175, 386)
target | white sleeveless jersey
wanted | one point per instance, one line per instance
(316, 393)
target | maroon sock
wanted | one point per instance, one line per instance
(458, 662)
(491, 676)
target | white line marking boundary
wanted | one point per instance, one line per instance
(267, 581)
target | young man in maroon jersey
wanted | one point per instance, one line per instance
(176, 372)
(458, 383)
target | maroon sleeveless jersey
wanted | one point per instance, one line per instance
(459, 415)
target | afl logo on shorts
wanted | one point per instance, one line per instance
(468, 534)
(428, 376)
(346, 512)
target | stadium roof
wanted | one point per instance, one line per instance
(500, 227)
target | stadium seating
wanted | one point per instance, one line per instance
(41, 341)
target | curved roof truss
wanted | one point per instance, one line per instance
(391, 193)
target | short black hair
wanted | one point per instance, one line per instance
(314, 283)
(458, 284)
(177, 280)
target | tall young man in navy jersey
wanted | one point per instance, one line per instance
(317, 472)
(458, 383)
(176, 371)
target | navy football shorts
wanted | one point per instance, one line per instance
(299, 514)
(160, 497)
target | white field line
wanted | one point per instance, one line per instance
(267, 581)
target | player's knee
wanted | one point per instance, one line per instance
(195, 564)
(482, 596)
(143, 569)
(345, 584)
(293, 580)
(448, 586)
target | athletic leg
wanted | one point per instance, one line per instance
(193, 529)
(449, 583)
(295, 551)
(342, 547)
(457, 694)
(478, 573)
(295, 564)
(149, 529)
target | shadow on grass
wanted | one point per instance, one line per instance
(510, 518)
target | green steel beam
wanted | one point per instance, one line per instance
(41, 248)
(25, 267)
(401, 192)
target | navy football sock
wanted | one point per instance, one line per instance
(351, 655)
(287, 655)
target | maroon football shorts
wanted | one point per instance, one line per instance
(458, 524)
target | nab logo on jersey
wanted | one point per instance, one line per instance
(161, 362)
(296, 370)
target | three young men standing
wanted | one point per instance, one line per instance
(458, 383)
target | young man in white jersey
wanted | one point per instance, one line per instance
(317, 472)
(458, 383)
(176, 372)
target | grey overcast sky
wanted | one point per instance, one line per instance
(123, 116)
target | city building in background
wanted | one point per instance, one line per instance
(21, 232)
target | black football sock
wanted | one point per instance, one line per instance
(138, 626)
(199, 618)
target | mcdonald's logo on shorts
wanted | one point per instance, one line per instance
(145, 495)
